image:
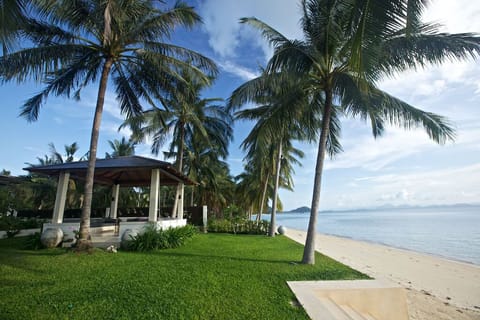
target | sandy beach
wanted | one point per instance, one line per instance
(437, 288)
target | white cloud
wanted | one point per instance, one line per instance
(456, 16)
(240, 71)
(226, 34)
(367, 153)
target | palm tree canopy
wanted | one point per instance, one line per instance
(74, 38)
(349, 46)
(188, 119)
(121, 148)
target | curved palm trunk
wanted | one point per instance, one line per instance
(275, 191)
(178, 192)
(309, 250)
(264, 194)
(84, 232)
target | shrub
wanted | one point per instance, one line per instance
(33, 242)
(153, 239)
(9, 223)
(240, 226)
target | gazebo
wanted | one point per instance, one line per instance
(131, 171)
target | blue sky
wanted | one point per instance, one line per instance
(400, 168)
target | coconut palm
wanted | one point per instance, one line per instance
(121, 148)
(204, 165)
(12, 20)
(188, 119)
(347, 47)
(81, 42)
(70, 151)
(281, 118)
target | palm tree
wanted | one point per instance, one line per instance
(281, 118)
(250, 184)
(204, 164)
(347, 47)
(70, 151)
(12, 20)
(188, 119)
(79, 42)
(121, 148)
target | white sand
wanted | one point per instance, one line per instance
(437, 288)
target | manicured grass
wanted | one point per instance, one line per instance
(215, 276)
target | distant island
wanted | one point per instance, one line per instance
(299, 210)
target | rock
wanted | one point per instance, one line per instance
(127, 236)
(281, 230)
(51, 237)
(111, 249)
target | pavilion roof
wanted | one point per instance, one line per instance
(126, 171)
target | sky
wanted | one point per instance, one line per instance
(399, 168)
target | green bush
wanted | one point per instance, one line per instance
(238, 226)
(153, 239)
(33, 242)
(9, 223)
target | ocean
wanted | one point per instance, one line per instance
(450, 232)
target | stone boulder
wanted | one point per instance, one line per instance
(51, 237)
(127, 236)
(281, 230)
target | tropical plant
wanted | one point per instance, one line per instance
(34, 242)
(12, 20)
(280, 118)
(239, 226)
(152, 238)
(189, 120)
(76, 43)
(204, 165)
(347, 48)
(121, 148)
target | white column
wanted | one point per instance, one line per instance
(114, 203)
(60, 198)
(180, 202)
(205, 218)
(154, 192)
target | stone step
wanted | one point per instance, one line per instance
(335, 312)
(354, 314)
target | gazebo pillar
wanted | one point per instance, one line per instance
(180, 202)
(154, 195)
(114, 203)
(61, 197)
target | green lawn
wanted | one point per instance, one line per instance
(215, 276)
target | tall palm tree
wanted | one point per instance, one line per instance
(79, 42)
(281, 118)
(204, 164)
(187, 119)
(347, 47)
(121, 148)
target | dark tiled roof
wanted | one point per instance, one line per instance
(126, 171)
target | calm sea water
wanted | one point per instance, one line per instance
(451, 232)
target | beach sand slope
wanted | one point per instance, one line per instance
(437, 288)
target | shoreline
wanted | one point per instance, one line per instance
(433, 255)
(437, 288)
